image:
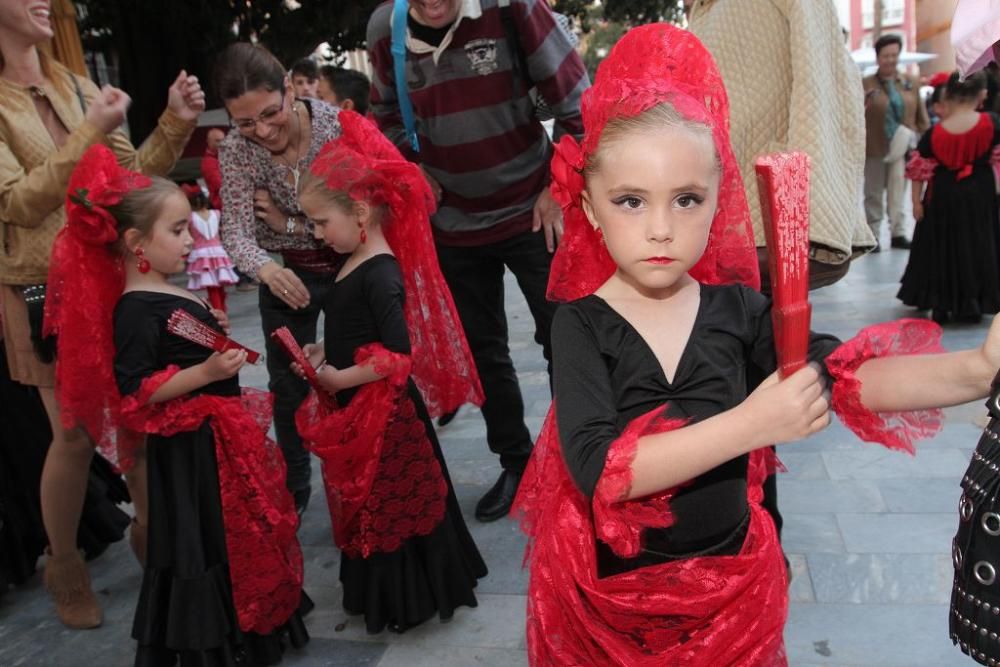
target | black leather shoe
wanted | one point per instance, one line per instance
(497, 501)
(447, 418)
(900, 242)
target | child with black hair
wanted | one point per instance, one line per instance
(953, 265)
(347, 88)
(305, 77)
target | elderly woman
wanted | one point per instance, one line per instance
(48, 118)
(275, 137)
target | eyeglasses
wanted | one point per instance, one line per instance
(267, 116)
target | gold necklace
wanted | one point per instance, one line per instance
(294, 167)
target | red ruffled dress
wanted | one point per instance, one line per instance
(406, 551)
(222, 583)
(693, 576)
(954, 264)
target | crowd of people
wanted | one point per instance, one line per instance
(393, 207)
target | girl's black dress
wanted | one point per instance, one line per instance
(954, 263)
(185, 610)
(428, 574)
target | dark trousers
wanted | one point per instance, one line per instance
(475, 277)
(289, 391)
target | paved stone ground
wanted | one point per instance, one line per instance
(868, 533)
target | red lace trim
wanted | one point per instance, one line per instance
(383, 483)
(895, 430)
(700, 612)
(265, 561)
(920, 168)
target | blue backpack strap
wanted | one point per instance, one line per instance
(400, 10)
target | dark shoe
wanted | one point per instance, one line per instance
(877, 248)
(301, 498)
(900, 242)
(940, 315)
(447, 418)
(497, 501)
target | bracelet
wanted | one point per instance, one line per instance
(290, 225)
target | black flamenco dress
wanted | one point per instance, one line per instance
(954, 263)
(186, 609)
(433, 572)
(24, 441)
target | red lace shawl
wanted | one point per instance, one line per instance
(383, 482)
(265, 560)
(700, 611)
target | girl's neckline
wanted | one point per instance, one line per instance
(173, 294)
(980, 117)
(343, 276)
(682, 359)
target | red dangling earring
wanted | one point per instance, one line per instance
(364, 235)
(143, 263)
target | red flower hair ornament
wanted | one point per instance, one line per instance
(366, 166)
(86, 278)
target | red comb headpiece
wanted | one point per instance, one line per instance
(938, 79)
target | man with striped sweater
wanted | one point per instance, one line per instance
(469, 66)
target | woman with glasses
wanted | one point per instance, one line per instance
(274, 139)
(48, 118)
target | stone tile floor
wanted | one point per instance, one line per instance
(867, 531)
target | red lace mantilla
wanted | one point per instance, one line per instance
(265, 561)
(383, 482)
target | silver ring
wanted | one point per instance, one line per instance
(285, 292)
(991, 573)
(956, 555)
(991, 516)
(965, 508)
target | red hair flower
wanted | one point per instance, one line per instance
(567, 172)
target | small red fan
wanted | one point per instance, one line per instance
(283, 337)
(783, 184)
(187, 326)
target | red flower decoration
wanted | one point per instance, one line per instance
(98, 181)
(567, 172)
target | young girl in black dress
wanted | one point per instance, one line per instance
(393, 357)
(643, 496)
(222, 583)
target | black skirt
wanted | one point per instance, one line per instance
(429, 574)
(185, 611)
(974, 621)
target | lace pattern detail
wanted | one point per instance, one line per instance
(265, 561)
(920, 168)
(895, 430)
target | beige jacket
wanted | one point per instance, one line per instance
(34, 174)
(790, 79)
(914, 112)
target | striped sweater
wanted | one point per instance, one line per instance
(478, 133)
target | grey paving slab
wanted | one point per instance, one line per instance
(897, 533)
(801, 465)
(401, 655)
(811, 533)
(881, 578)
(876, 462)
(925, 495)
(819, 496)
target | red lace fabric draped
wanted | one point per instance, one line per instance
(894, 430)
(652, 65)
(698, 612)
(86, 278)
(265, 561)
(365, 165)
(920, 168)
(958, 151)
(383, 483)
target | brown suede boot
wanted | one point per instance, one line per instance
(137, 540)
(68, 582)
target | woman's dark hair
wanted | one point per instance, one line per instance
(243, 67)
(964, 91)
(887, 40)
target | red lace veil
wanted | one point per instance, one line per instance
(86, 278)
(365, 165)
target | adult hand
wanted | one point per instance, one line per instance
(221, 317)
(224, 365)
(185, 97)
(284, 284)
(106, 112)
(789, 409)
(435, 186)
(266, 210)
(548, 216)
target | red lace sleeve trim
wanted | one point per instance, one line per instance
(920, 168)
(895, 430)
(391, 365)
(619, 523)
